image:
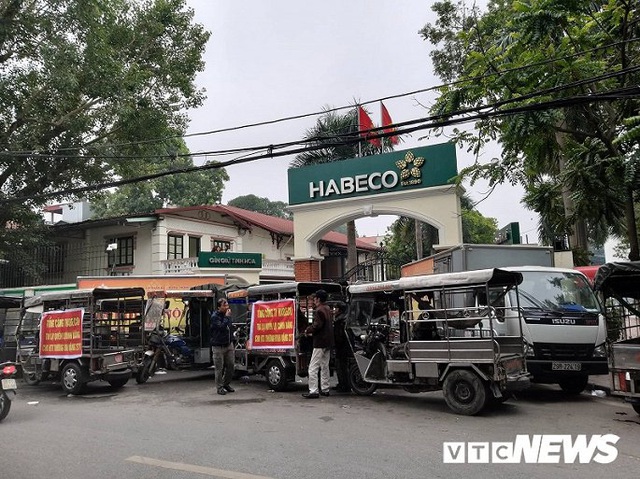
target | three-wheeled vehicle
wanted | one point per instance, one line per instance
(81, 336)
(270, 320)
(619, 284)
(185, 345)
(436, 332)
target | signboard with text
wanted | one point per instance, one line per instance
(422, 167)
(272, 324)
(61, 334)
(229, 260)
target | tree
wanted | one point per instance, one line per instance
(88, 91)
(324, 133)
(400, 244)
(262, 205)
(571, 158)
(202, 187)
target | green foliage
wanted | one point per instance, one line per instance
(400, 240)
(84, 83)
(262, 205)
(577, 162)
(202, 187)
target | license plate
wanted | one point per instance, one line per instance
(9, 384)
(557, 366)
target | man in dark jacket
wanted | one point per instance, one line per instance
(322, 332)
(222, 346)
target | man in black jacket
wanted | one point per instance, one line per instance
(222, 346)
(322, 331)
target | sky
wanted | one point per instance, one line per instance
(268, 60)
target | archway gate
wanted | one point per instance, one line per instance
(417, 183)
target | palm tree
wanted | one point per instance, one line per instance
(332, 133)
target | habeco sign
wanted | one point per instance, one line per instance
(229, 260)
(400, 170)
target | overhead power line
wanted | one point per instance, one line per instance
(352, 138)
(330, 110)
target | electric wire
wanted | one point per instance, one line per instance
(341, 108)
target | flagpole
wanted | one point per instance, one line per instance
(381, 124)
(359, 135)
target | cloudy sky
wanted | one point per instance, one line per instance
(268, 60)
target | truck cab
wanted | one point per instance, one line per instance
(563, 326)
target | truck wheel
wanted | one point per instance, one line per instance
(359, 385)
(276, 375)
(118, 383)
(5, 405)
(464, 392)
(574, 385)
(73, 379)
(636, 408)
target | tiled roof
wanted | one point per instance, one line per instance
(269, 223)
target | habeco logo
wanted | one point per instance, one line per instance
(410, 174)
(535, 449)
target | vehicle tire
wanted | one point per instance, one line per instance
(276, 375)
(5, 405)
(31, 379)
(574, 385)
(118, 383)
(636, 408)
(359, 385)
(464, 392)
(145, 372)
(73, 378)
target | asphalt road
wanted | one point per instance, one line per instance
(175, 426)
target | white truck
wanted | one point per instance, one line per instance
(564, 330)
(563, 326)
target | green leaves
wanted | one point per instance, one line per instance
(524, 53)
(87, 85)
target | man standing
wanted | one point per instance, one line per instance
(322, 332)
(222, 346)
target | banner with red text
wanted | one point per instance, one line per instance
(272, 324)
(61, 334)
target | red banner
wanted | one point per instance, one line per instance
(272, 324)
(61, 334)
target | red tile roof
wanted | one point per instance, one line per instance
(266, 222)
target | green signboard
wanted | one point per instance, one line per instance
(376, 174)
(229, 260)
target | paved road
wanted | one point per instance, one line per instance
(175, 426)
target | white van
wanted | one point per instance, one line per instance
(564, 330)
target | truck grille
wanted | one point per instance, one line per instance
(563, 351)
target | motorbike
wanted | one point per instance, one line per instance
(8, 383)
(165, 350)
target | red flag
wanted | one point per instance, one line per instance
(386, 121)
(365, 123)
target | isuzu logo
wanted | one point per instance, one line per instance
(563, 321)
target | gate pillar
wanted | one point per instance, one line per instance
(307, 270)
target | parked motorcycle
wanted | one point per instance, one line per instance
(8, 383)
(165, 350)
